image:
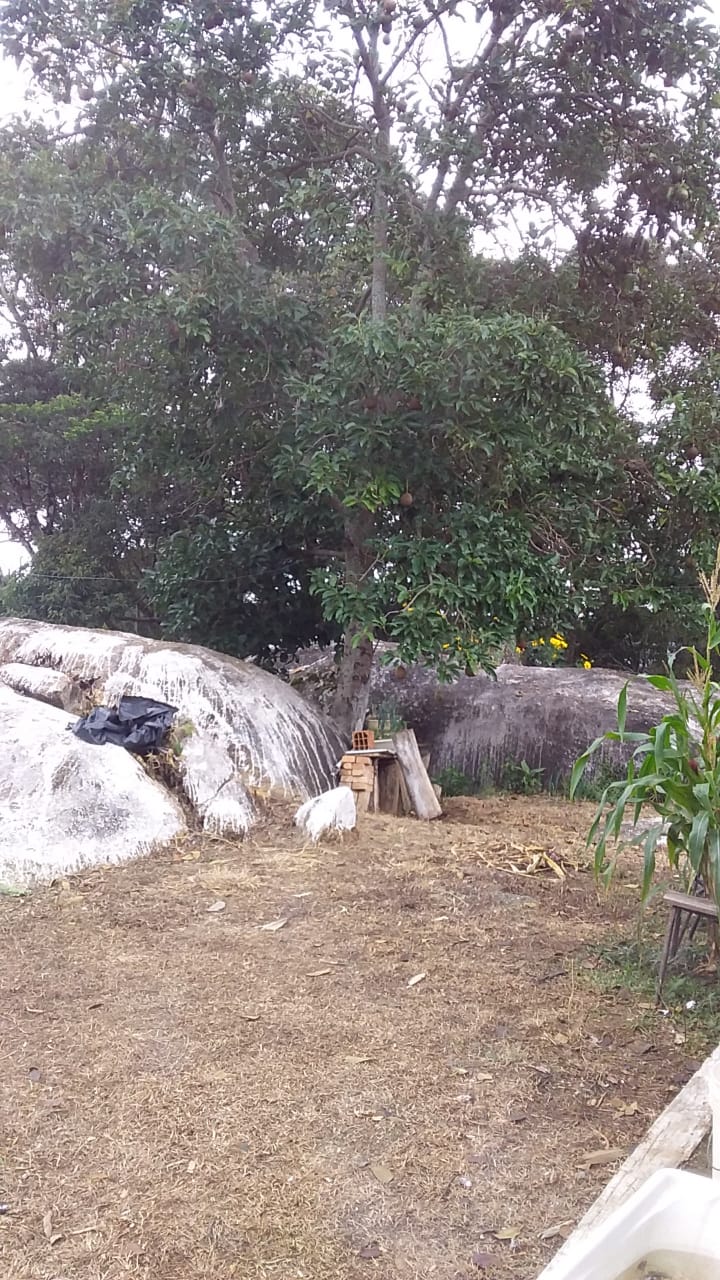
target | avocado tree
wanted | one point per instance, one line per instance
(597, 122)
(480, 457)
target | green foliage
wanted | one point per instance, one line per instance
(388, 718)
(591, 786)
(693, 1002)
(479, 425)
(674, 770)
(211, 420)
(67, 583)
(518, 777)
(180, 733)
(456, 783)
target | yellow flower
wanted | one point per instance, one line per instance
(558, 642)
(446, 646)
(518, 649)
(587, 664)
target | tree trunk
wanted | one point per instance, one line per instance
(352, 693)
(378, 291)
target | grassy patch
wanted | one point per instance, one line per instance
(691, 994)
(456, 783)
(517, 777)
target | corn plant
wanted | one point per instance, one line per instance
(674, 771)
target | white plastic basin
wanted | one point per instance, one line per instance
(669, 1229)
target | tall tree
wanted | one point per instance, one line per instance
(242, 260)
(601, 117)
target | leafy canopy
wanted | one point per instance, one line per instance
(193, 247)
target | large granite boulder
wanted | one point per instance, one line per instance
(545, 716)
(64, 804)
(245, 733)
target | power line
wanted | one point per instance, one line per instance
(107, 577)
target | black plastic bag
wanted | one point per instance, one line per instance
(138, 724)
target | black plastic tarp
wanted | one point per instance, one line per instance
(139, 724)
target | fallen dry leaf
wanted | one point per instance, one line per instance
(247, 1016)
(215, 907)
(412, 982)
(273, 925)
(319, 973)
(34, 1075)
(560, 1229)
(606, 1156)
(188, 855)
(507, 1233)
(382, 1173)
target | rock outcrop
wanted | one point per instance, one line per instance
(67, 805)
(245, 733)
(545, 716)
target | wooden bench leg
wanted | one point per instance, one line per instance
(697, 921)
(689, 923)
(669, 946)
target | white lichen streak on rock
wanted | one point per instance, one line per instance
(65, 804)
(38, 682)
(249, 729)
(332, 811)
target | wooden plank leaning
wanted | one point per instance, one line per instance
(417, 780)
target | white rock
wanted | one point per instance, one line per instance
(332, 811)
(65, 804)
(250, 730)
(38, 682)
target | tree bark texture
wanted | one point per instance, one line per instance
(352, 693)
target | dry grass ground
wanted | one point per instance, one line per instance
(188, 1094)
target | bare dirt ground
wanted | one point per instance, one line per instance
(190, 1093)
